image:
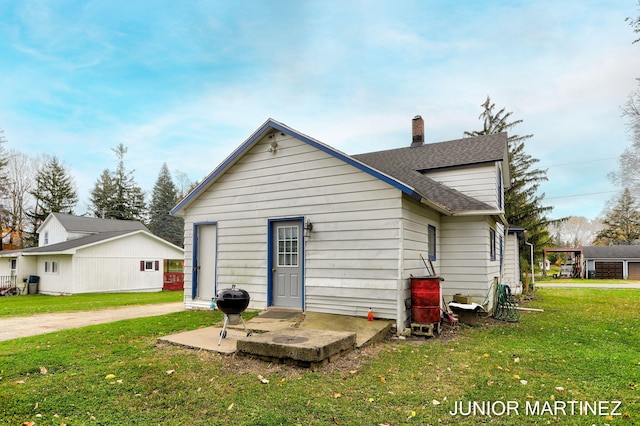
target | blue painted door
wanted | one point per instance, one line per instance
(287, 264)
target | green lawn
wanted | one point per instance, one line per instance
(11, 306)
(551, 280)
(584, 347)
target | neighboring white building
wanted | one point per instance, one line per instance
(301, 225)
(90, 255)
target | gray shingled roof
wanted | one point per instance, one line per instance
(71, 244)
(406, 165)
(94, 225)
(611, 252)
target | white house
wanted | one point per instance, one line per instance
(90, 255)
(301, 225)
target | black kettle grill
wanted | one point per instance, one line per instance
(232, 302)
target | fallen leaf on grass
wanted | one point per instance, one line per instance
(262, 379)
(489, 383)
(43, 370)
(559, 389)
(110, 377)
(20, 382)
(170, 372)
(516, 359)
(516, 376)
(28, 423)
(523, 382)
(434, 402)
(382, 379)
(337, 395)
(230, 407)
(631, 386)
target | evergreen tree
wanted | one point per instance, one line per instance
(116, 194)
(622, 222)
(102, 195)
(54, 192)
(523, 206)
(165, 197)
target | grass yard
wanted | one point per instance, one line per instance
(12, 306)
(585, 348)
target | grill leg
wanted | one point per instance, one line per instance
(246, 330)
(223, 333)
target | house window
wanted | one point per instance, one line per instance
(492, 243)
(51, 267)
(500, 190)
(149, 265)
(287, 246)
(431, 242)
(14, 263)
(46, 237)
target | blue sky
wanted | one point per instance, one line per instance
(185, 82)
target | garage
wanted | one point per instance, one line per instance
(634, 270)
(609, 270)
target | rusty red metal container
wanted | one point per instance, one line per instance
(425, 299)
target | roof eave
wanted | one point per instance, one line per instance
(498, 214)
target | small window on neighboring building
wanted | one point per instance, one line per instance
(46, 237)
(431, 242)
(51, 266)
(149, 265)
(14, 263)
(492, 243)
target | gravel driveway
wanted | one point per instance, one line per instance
(16, 327)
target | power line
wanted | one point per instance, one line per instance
(582, 162)
(579, 195)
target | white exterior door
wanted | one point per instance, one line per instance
(287, 261)
(206, 262)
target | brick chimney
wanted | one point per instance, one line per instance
(417, 131)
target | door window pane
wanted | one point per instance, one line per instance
(288, 246)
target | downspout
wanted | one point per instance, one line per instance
(533, 278)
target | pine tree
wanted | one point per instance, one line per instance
(54, 192)
(102, 195)
(622, 222)
(116, 194)
(165, 197)
(523, 206)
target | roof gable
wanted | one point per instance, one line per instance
(401, 168)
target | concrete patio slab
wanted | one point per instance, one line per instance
(303, 347)
(311, 339)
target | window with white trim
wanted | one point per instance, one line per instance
(51, 266)
(149, 265)
(288, 246)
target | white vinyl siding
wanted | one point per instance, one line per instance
(417, 219)
(478, 181)
(465, 258)
(351, 255)
(511, 274)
